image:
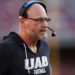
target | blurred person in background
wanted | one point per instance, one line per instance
(27, 52)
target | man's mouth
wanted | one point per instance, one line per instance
(43, 30)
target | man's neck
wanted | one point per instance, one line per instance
(31, 42)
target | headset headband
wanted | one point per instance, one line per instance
(29, 3)
(25, 6)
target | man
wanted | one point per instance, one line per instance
(27, 53)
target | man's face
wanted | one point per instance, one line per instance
(36, 29)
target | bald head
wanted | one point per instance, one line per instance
(36, 11)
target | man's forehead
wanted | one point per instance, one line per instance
(36, 10)
(34, 6)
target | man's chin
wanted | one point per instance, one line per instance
(43, 37)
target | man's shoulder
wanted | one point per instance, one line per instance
(3, 45)
(4, 49)
(6, 45)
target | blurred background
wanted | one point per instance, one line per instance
(62, 47)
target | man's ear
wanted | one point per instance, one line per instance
(21, 20)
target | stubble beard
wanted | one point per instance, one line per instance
(42, 37)
(37, 35)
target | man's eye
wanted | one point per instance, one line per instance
(41, 19)
(47, 19)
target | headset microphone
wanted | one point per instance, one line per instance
(53, 32)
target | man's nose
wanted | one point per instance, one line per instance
(44, 24)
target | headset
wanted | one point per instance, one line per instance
(27, 5)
